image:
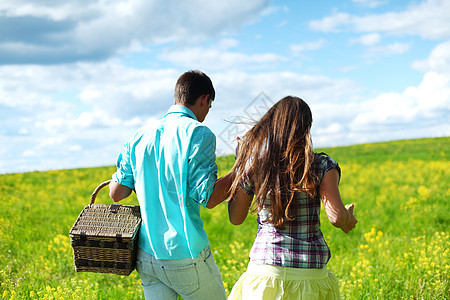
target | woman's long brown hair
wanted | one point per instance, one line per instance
(277, 154)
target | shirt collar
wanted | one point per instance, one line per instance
(180, 109)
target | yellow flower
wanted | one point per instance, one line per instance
(424, 192)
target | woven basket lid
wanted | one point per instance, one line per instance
(107, 220)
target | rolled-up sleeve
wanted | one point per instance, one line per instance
(202, 167)
(124, 173)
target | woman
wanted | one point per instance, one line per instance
(276, 166)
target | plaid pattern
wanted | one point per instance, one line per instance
(301, 243)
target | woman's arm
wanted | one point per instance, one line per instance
(238, 207)
(337, 213)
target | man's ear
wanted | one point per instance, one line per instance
(205, 99)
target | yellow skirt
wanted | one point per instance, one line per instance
(267, 282)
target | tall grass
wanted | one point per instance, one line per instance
(399, 249)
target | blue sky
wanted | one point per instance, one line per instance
(77, 78)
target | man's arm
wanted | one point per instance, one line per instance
(118, 192)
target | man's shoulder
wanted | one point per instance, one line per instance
(202, 133)
(146, 130)
(193, 127)
(201, 128)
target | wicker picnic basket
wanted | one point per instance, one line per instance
(104, 237)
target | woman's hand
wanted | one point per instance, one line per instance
(351, 220)
(236, 152)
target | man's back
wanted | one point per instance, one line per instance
(172, 164)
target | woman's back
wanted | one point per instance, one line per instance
(278, 172)
(300, 242)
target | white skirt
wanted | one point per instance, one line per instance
(267, 282)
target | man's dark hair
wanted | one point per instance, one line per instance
(192, 85)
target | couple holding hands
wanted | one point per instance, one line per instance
(172, 168)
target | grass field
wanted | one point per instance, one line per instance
(399, 249)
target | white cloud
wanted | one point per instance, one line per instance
(237, 92)
(368, 39)
(271, 10)
(307, 46)
(117, 100)
(438, 61)
(47, 110)
(348, 68)
(331, 23)
(419, 111)
(384, 50)
(418, 107)
(51, 32)
(243, 87)
(227, 43)
(370, 3)
(103, 87)
(96, 119)
(282, 23)
(57, 11)
(428, 19)
(215, 59)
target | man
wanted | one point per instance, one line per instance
(172, 168)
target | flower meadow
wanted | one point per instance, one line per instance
(399, 249)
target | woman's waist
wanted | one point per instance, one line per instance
(310, 234)
(287, 273)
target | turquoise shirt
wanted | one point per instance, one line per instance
(172, 167)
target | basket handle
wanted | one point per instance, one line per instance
(94, 194)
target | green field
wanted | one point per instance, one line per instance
(399, 249)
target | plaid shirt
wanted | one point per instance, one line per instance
(301, 243)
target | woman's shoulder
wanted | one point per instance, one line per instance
(322, 157)
(324, 163)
